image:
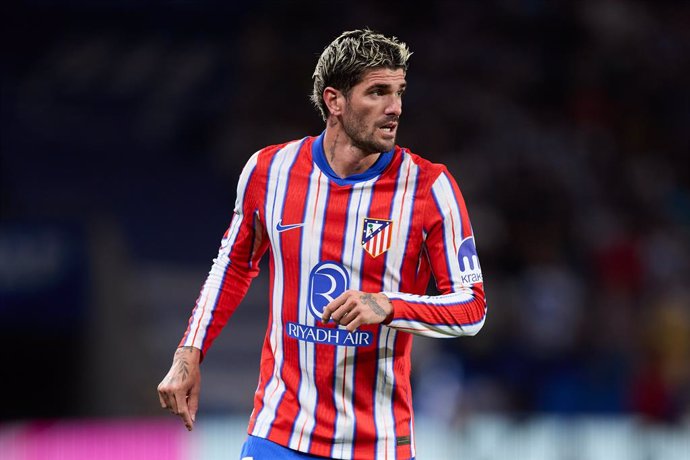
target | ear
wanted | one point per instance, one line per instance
(334, 100)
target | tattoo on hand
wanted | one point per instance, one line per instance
(376, 308)
(181, 366)
(181, 371)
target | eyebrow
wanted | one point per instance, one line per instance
(385, 86)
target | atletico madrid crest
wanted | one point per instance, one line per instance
(377, 235)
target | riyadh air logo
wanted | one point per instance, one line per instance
(470, 270)
(376, 235)
(326, 282)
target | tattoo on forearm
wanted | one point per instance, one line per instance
(369, 300)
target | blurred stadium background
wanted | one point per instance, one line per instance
(124, 127)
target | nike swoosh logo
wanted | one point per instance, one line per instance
(283, 228)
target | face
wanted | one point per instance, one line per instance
(372, 110)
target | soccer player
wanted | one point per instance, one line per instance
(356, 226)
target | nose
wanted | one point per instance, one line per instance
(394, 106)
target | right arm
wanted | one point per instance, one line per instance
(237, 263)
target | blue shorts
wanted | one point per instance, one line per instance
(256, 448)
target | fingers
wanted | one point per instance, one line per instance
(161, 398)
(193, 404)
(353, 325)
(345, 313)
(181, 404)
(167, 399)
(183, 410)
(333, 306)
(356, 308)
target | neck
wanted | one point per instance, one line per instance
(345, 158)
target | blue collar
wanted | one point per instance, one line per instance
(319, 155)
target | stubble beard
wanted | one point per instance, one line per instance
(361, 138)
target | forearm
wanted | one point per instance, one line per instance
(451, 254)
(223, 291)
(235, 266)
(443, 316)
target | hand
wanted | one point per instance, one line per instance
(179, 390)
(355, 308)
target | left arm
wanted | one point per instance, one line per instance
(460, 309)
(449, 243)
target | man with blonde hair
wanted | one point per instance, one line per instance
(356, 226)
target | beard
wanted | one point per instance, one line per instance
(364, 137)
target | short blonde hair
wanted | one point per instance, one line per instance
(343, 63)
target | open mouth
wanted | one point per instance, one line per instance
(389, 127)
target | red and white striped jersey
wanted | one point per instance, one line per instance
(322, 389)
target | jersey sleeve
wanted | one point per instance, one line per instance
(237, 263)
(460, 309)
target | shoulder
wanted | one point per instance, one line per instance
(427, 170)
(285, 147)
(262, 159)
